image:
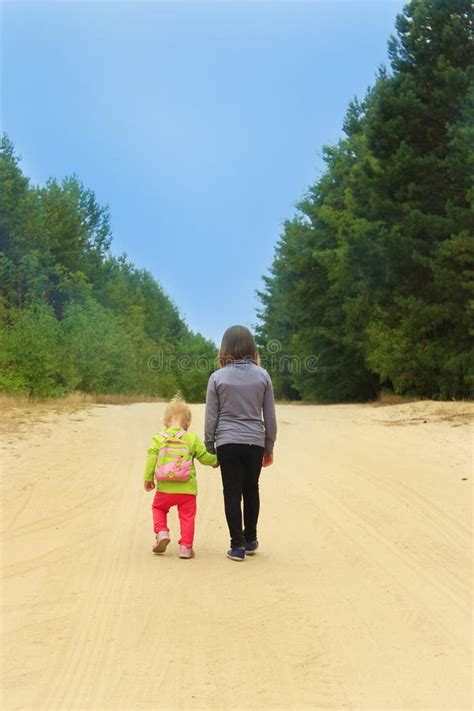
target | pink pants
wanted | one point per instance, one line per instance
(186, 504)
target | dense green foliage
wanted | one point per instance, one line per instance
(373, 276)
(74, 317)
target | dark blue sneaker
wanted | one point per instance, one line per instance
(236, 553)
(251, 548)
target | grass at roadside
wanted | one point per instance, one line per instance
(8, 402)
(17, 412)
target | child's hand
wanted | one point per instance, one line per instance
(267, 459)
(149, 485)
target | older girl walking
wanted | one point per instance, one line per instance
(240, 426)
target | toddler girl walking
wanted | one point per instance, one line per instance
(170, 461)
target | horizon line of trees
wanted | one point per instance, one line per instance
(372, 279)
(72, 315)
(373, 276)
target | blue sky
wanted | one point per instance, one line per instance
(199, 124)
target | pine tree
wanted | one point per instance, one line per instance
(373, 275)
(72, 315)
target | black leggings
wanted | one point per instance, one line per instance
(240, 469)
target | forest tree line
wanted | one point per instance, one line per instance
(373, 276)
(372, 279)
(73, 317)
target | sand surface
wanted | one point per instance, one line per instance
(360, 597)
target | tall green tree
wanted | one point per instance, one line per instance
(373, 276)
(73, 316)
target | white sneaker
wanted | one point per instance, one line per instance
(162, 540)
(186, 552)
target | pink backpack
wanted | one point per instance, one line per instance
(175, 459)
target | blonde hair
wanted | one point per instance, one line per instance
(177, 409)
(238, 343)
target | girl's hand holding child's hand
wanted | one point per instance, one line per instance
(149, 485)
(267, 459)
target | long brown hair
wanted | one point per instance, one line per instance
(237, 343)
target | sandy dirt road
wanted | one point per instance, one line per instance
(359, 599)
